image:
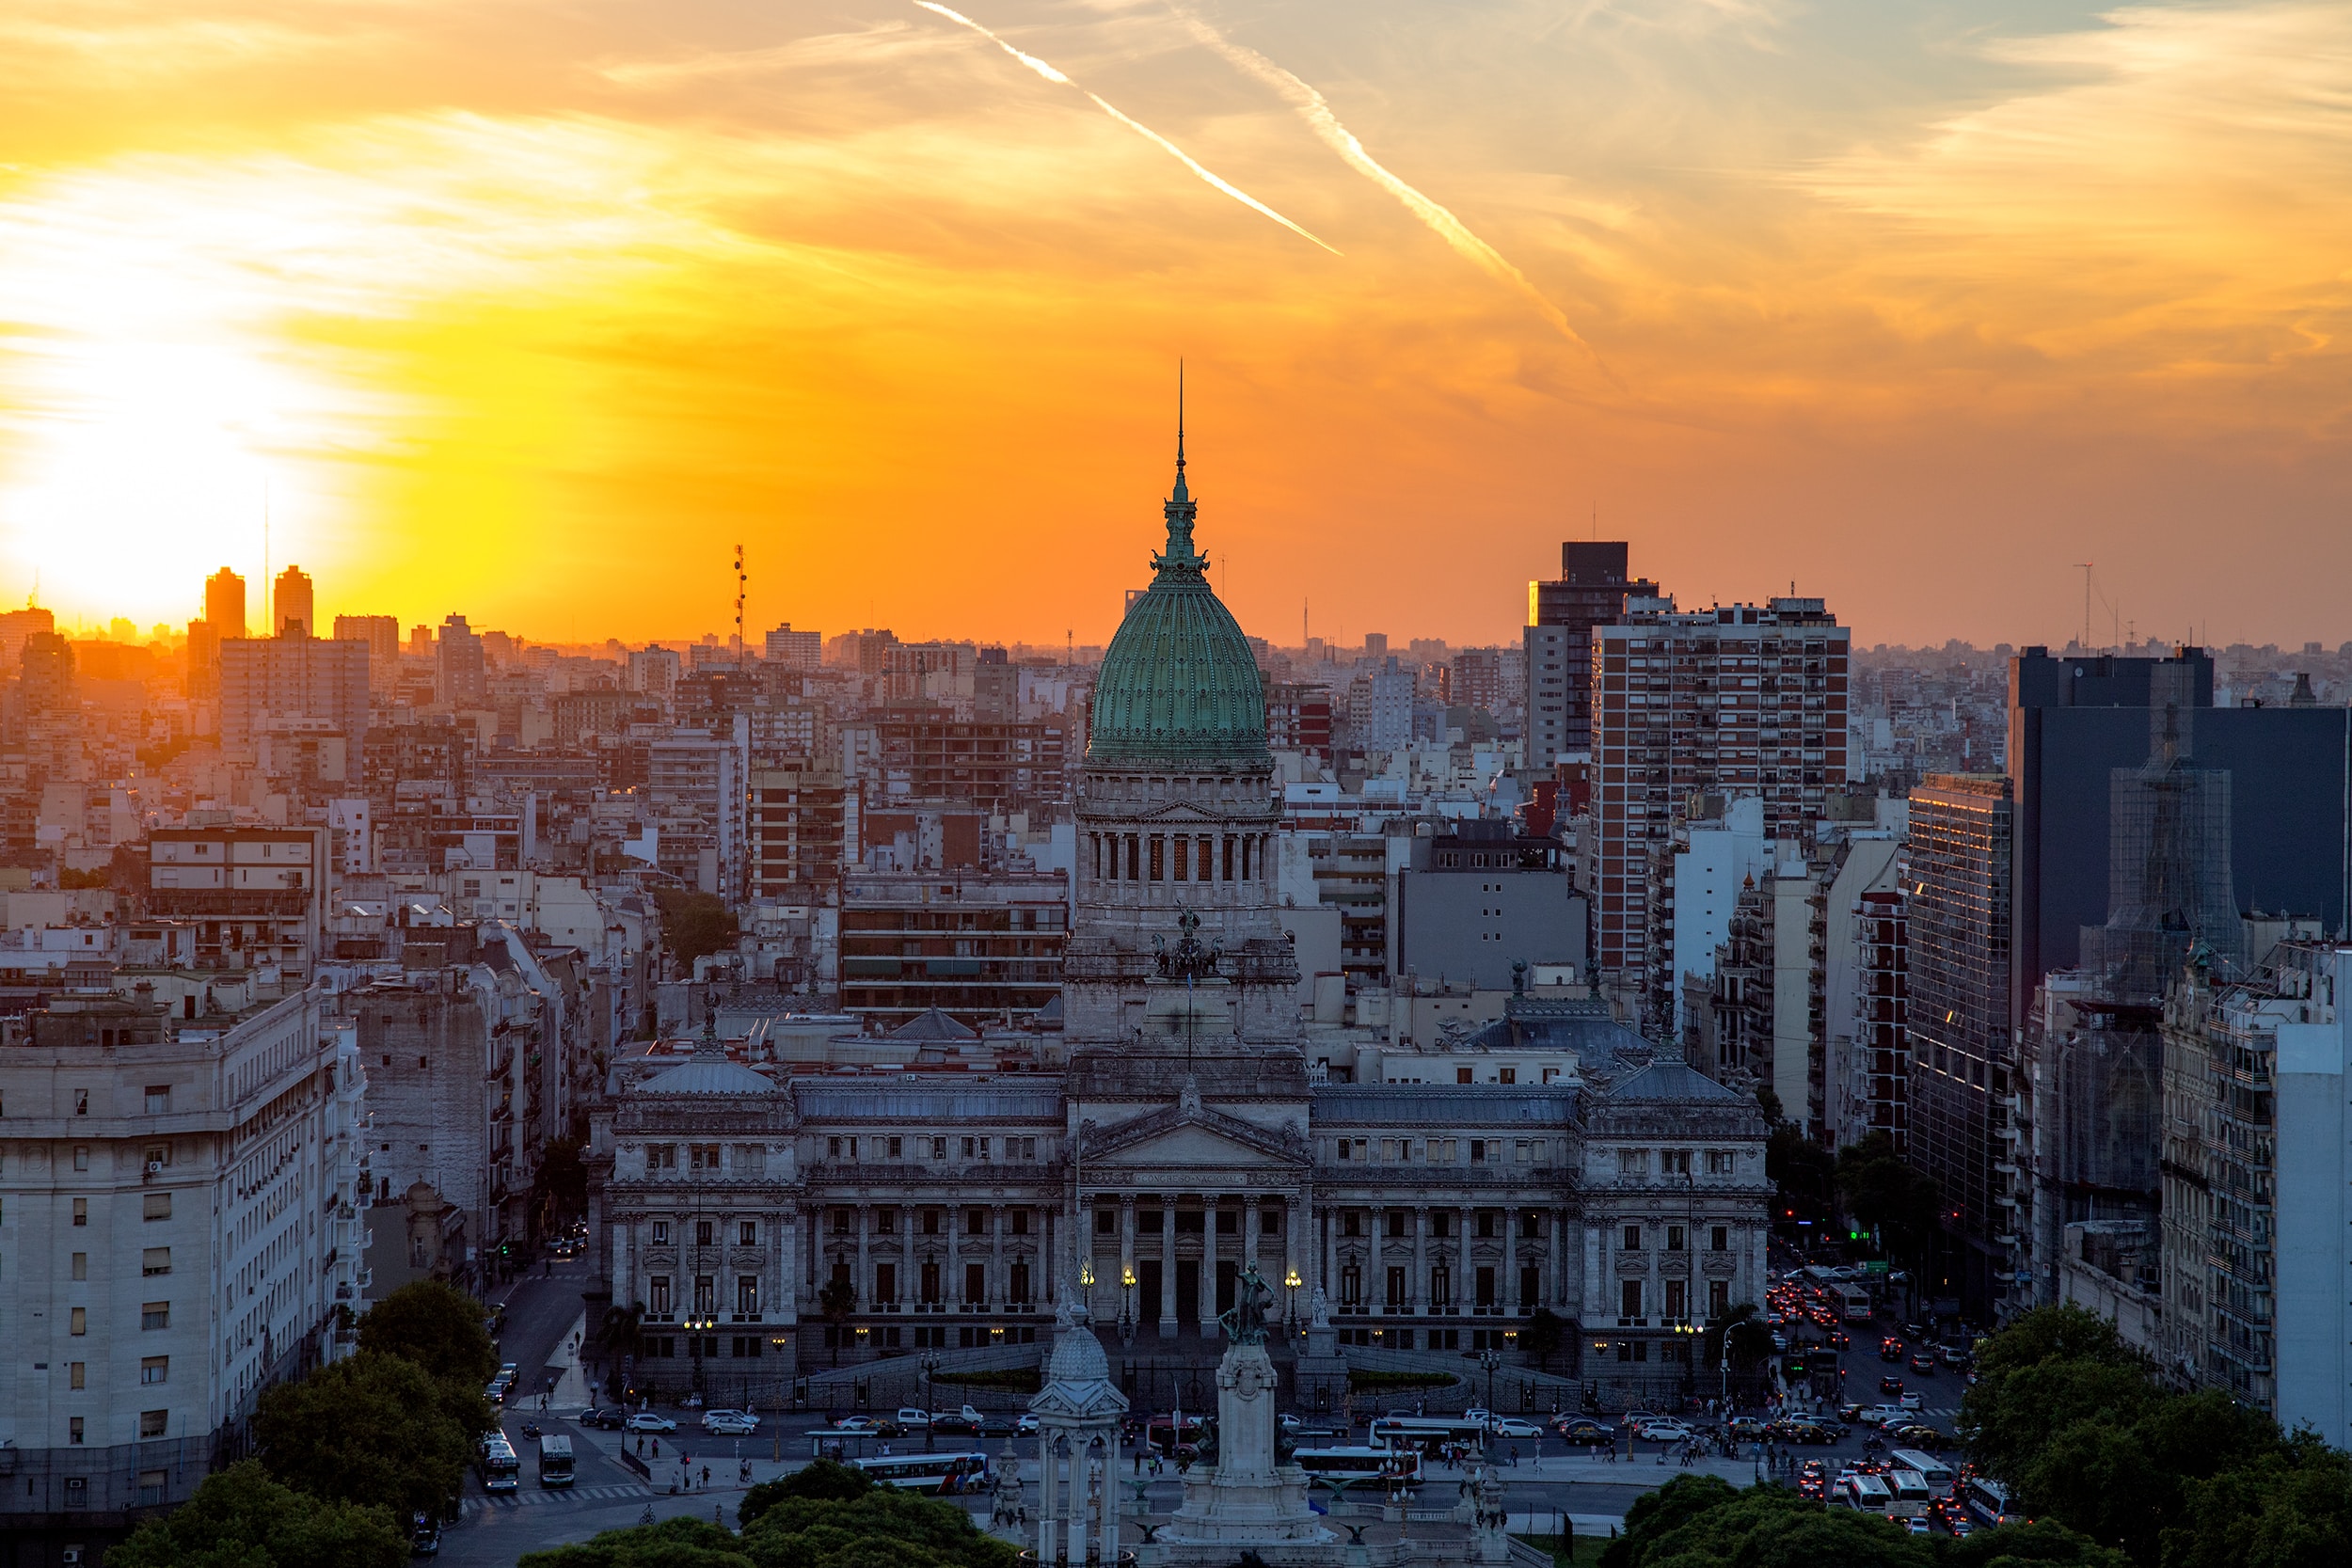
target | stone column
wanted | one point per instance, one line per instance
(996, 1253)
(1561, 1296)
(1126, 1253)
(1047, 1467)
(1168, 1265)
(1417, 1289)
(1209, 1211)
(951, 1272)
(1508, 1287)
(1376, 1263)
(1249, 1230)
(864, 1258)
(906, 1259)
(1465, 1274)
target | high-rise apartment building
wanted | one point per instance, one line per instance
(257, 897)
(460, 673)
(181, 1224)
(224, 604)
(1739, 700)
(290, 605)
(1557, 644)
(795, 650)
(292, 682)
(803, 821)
(1477, 679)
(1964, 1076)
(381, 633)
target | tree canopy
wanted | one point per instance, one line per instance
(374, 1429)
(239, 1518)
(1704, 1522)
(824, 1516)
(695, 925)
(437, 1326)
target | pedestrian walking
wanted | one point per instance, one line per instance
(705, 1478)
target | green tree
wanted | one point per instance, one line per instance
(695, 925)
(1546, 1332)
(434, 1325)
(680, 1543)
(1743, 1334)
(239, 1518)
(559, 1187)
(1800, 1172)
(836, 1299)
(2291, 1509)
(824, 1480)
(878, 1529)
(1881, 1191)
(374, 1429)
(1701, 1522)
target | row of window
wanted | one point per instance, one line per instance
(1189, 1222)
(154, 1261)
(707, 1232)
(153, 1314)
(1450, 1151)
(660, 1302)
(1677, 1162)
(1718, 1238)
(152, 1423)
(1488, 1223)
(750, 1160)
(1483, 1284)
(925, 1147)
(930, 1222)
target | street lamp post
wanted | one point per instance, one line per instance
(1126, 1302)
(1291, 1282)
(1489, 1360)
(930, 1364)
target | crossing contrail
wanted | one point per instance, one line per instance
(1317, 111)
(1141, 129)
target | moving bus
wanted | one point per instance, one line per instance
(1938, 1475)
(940, 1474)
(1399, 1466)
(1910, 1492)
(1866, 1494)
(1853, 1303)
(1988, 1500)
(555, 1461)
(1425, 1432)
(499, 1469)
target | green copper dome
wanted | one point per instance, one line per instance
(1180, 684)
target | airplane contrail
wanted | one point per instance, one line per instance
(1171, 148)
(1317, 111)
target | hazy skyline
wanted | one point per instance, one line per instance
(532, 313)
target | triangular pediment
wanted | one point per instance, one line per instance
(1191, 1133)
(1180, 814)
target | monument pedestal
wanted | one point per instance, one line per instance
(1248, 1498)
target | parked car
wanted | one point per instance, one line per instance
(1584, 1432)
(999, 1426)
(1512, 1428)
(425, 1535)
(603, 1416)
(1666, 1431)
(954, 1426)
(730, 1423)
(647, 1420)
(914, 1419)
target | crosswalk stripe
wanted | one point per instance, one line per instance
(574, 1494)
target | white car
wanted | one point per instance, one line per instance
(1511, 1428)
(645, 1420)
(1026, 1424)
(730, 1423)
(1667, 1432)
(912, 1419)
(1914, 1403)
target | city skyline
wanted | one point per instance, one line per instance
(1872, 298)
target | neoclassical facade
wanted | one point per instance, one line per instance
(1188, 1136)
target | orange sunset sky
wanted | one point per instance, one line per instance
(532, 311)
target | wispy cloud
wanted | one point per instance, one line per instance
(1138, 127)
(1318, 114)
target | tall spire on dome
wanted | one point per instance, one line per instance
(1180, 508)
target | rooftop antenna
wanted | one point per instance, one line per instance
(740, 581)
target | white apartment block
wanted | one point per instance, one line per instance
(178, 1225)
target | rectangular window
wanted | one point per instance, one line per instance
(152, 1423)
(155, 1369)
(1396, 1221)
(662, 1156)
(1631, 1241)
(81, 1211)
(1633, 1162)
(703, 1230)
(156, 1260)
(746, 1292)
(81, 1156)
(1396, 1290)
(73, 1437)
(1269, 1222)
(1673, 1238)
(1158, 846)
(158, 1154)
(1531, 1286)
(885, 1282)
(747, 1233)
(1478, 1151)
(658, 1295)
(156, 1314)
(80, 1265)
(894, 1148)
(662, 1232)
(1531, 1224)
(1105, 1221)
(939, 1149)
(1719, 1238)
(1721, 1162)
(1507, 1075)
(152, 1483)
(1718, 1297)
(706, 1295)
(1630, 1298)
(158, 1100)
(1462, 1075)
(76, 1376)
(1677, 1303)
(155, 1206)
(833, 1149)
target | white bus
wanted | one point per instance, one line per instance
(1853, 1303)
(1989, 1501)
(555, 1461)
(1423, 1431)
(1399, 1466)
(1866, 1494)
(943, 1474)
(1910, 1493)
(1938, 1475)
(500, 1468)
